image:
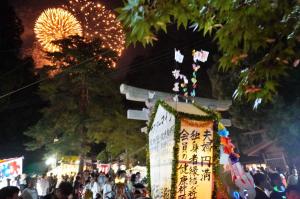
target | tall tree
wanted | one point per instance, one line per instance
(260, 36)
(20, 109)
(279, 119)
(84, 102)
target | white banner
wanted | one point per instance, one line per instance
(161, 143)
(10, 168)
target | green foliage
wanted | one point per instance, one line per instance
(262, 36)
(279, 119)
(84, 103)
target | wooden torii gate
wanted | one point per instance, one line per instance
(149, 97)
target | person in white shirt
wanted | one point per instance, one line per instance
(42, 186)
(293, 178)
(95, 187)
(107, 189)
(30, 192)
(101, 180)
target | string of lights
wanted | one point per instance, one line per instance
(98, 22)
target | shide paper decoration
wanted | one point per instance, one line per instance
(178, 56)
(179, 78)
(181, 81)
(200, 56)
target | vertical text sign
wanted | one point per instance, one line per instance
(195, 159)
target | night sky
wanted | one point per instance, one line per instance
(148, 68)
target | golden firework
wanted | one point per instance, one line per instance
(97, 21)
(54, 24)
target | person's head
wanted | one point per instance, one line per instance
(138, 174)
(94, 179)
(106, 178)
(133, 178)
(77, 178)
(293, 192)
(9, 192)
(30, 183)
(276, 179)
(279, 170)
(259, 179)
(262, 169)
(87, 181)
(109, 179)
(121, 173)
(138, 193)
(64, 190)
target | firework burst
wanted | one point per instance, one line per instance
(54, 24)
(97, 21)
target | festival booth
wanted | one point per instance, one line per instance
(9, 169)
(64, 169)
(104, 168)
(67, 165)
(189, 151)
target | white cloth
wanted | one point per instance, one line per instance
(95, 188)
(42, 186)
(23, 179)
(107, 191)
(292, 180)
(29, 194)
(101, 181)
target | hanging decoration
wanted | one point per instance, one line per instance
(198, 56)
(201, 55)
(257, 102)
(184, 85)
(178, 56)
(179, 78)
(194, 79)
(228, 157)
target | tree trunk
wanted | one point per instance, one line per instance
(81, 163)
(83, 103)
(127, 163)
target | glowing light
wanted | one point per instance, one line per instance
(54, 24)
(97, 21)
(50, 161)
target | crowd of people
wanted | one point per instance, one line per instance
(85, 185)
(269, 184)
(275, 184)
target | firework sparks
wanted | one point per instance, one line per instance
(97, 21)
(54, 24)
